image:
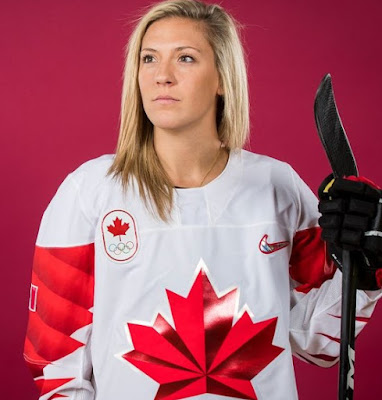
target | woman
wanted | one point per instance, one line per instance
(185, 266)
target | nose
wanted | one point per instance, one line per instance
(164, 73)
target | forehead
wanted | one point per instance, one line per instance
(168, 32)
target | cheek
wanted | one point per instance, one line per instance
(208, 80)
(204, 88)
(143, 84)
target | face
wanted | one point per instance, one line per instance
(178, 79)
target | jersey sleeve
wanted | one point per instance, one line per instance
(57, 344)
(315, 324)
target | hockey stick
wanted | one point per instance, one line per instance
(340, 155)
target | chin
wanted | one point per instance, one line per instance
(168, 123)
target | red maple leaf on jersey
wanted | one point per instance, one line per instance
(118, 228)
(204, 353)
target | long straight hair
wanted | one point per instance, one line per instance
(135, 155)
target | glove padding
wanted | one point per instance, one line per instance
(352, 220)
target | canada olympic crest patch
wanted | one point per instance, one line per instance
(119, 234)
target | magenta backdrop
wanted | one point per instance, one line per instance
(60, 83)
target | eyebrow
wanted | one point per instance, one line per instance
(181, 48)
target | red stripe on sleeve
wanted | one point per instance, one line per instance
(324, 357)
(54, 310)
(309, 264)
(332, 338)
(65, 281)
(47, 385)
(47, 342)
(60, 271)
(359, 319)
(35, 362)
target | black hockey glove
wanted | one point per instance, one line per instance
(352, 220)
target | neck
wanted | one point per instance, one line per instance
(190, 160)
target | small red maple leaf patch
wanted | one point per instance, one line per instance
(118, 229)
(204, 353)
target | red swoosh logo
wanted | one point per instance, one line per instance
(268, 248)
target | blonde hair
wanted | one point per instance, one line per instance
(135, 154)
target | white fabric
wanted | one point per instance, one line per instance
(218, 226)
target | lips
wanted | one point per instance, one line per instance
(165, 98)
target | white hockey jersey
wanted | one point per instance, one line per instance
(211, 305)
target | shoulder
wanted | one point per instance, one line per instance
(92, 175)
(94, 169)
(88, 182)
(278, 183)
(267, 172)
(261, 168)
(74, 206)
(256, 160)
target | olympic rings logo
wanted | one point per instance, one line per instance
(121, 248)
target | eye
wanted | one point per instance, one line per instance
(186, 58)
(147, 58)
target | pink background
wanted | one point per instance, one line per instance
(60, 84)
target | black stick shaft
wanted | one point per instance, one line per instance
(340, 155)
(347, 351)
